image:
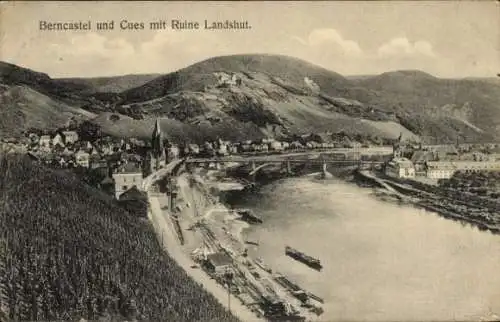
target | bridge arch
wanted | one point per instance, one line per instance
(255, 170)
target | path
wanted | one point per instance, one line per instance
(166, 233)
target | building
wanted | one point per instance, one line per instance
(70, 136)
(58, 140)
(44, 141)
(219, 263)
(400, 168)
(126, 177)
(440, 169)
(82, 158)
(158, 148)
(474, 166)
(135, 201)
(275, 146)
(420, 158)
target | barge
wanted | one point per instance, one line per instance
(303, 258)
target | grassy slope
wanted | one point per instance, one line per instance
(67, 252)
(22, 108)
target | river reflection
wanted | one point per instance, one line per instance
(381, 261)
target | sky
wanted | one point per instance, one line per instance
(445, 39)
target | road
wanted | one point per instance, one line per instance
(166, 232)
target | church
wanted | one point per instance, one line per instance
(159, 148)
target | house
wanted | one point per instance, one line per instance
(82, 158)
(420, 158)
(194, 149)
(219, 263)
(440, 169)
(223, 149)
(45, 141)
(475, 166)
(233, 149)
(126, 176)
(296, 145)
(58, 140)
(135, 201)
(275, 146)
(70, 136)
(400, 168)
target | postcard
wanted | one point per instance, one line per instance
(249, 161)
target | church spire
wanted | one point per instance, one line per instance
(157, 139)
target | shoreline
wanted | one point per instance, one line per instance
(394, 192)
(225, 231)
(215, 204)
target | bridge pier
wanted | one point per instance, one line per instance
(253, 166)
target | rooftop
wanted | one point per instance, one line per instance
(129, 167)
(402, 162)
(219, 259)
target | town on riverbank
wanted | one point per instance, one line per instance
(178, 188)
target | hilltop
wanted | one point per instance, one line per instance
(260, 95)
(68, 251)
(114, 84)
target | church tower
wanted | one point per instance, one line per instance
(158, 153)
(397, 149)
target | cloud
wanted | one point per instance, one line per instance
(330, 38)
(92, 53)
(403, 47)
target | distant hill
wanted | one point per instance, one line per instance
(199, 75)
(439, 108)
(68, 252)
(115, 84)
(275, 95)
(22, 107)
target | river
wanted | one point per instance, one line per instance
(382, 261)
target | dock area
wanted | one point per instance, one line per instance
(212, 235)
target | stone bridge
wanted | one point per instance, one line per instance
(261, 162)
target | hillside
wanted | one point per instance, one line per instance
(199, 75)
(281, 94)
(274, 96)
(438, 107)
(115, 84)
(22, 107)
(68, 252)
(251, 96)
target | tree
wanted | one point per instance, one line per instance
(88, 131)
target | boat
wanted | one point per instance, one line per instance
(303, 258)
(259, 262)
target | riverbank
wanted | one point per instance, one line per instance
(165, 230)
(484, 216)
(382, 260)
(284, 224)
(211, 227)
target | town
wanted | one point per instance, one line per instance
(129, 170)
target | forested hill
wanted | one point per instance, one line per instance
(69, 252)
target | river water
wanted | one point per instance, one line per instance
(382, 261)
